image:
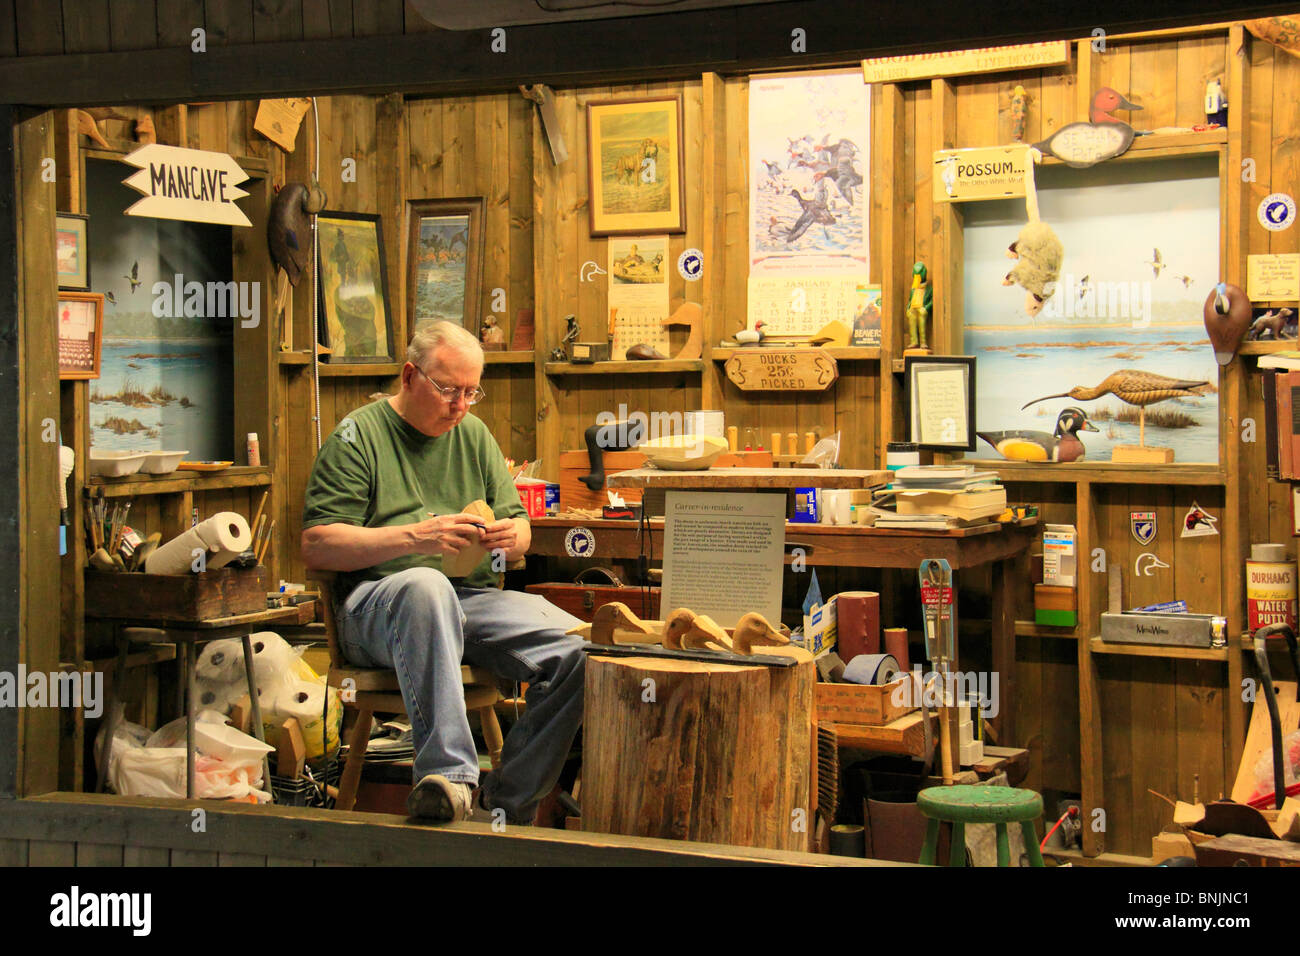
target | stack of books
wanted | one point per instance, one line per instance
(943, 496)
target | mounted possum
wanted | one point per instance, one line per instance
(1037, 250)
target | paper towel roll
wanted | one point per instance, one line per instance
(877, 669)
(224, 537)
(305, 700)
(274, 659)
(222, 661)
(218, 695)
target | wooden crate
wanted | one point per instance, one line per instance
(859, 703)
(176, 597)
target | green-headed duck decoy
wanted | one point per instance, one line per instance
(1063, 445)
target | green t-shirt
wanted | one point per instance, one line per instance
(376, 470)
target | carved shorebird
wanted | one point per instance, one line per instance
(1133, 387)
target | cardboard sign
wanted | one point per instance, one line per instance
(788, 370)
(191, 185)
(996, 172)
(1273, 278)
(923, 66)
(278, 120)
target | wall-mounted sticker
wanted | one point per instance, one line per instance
(590, 269)
(1143, 526)
(690, 264)
(1146, 564)
(579, 543)
(1277, 212)
(1198, 523)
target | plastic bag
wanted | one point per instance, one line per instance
(126, 736)
(160, 772)
(825, 454)
(1264, 766)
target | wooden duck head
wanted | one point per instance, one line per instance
(1227, 317)
(288, 227)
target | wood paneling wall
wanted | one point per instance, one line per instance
(1156, 721)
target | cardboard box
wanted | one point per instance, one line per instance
(1060, 542)
(860, 703)
(1181, 630)
(821, 627)
(1056, 606)
(1165, 845)
(806, 508)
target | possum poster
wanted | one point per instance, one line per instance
(810, 150)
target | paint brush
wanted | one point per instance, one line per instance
(261, 505)
(266, 542)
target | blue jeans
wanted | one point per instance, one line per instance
(421, 625)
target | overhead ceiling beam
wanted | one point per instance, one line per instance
(737, 39)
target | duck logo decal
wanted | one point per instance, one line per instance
(1198, 522)
(1143, 526)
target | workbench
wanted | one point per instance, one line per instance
(853, 546)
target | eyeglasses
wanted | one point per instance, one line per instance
(472, 396)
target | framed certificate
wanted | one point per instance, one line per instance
(941, 401)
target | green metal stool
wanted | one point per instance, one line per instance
(960, 805)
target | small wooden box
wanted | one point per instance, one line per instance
(587, 353)
(575, 464)
(582, 600)
(860, 703)
(176, 597)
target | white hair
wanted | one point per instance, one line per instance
(442, 334)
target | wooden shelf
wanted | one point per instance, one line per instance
(1034, 629)
(373, 370)
(718, 479)
(128, 486)
(1268, 347)
(1157, 650)
(508, 358)
(294, 358)
(655, 367)
(845, 354)
(1105, 472)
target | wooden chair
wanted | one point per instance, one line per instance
(377, 690)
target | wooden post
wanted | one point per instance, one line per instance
(693, 751)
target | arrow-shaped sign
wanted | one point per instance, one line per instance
(192, 185)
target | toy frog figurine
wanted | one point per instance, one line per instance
(919, 304)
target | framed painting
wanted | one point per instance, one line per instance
(635, 168)
(941, 401)
(81, 334)
(71, 251)
(353, 289)
(444, 269)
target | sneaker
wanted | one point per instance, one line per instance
(479, 811)
(437, 798)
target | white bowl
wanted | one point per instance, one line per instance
(683, 452)
(163, 462)
(115, 464)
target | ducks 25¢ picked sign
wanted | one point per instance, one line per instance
(192, 185)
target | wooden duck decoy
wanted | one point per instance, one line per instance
(1227, 319)
(1133, 387)
(618, 617)
(706, 634)
(677, 624)
(1104, 137)
(288, 227)
(1061, 446)
(752, 336)
(754, 635)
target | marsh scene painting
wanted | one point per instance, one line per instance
(1141, 254)
(167, 375)
(635, 167)
(354, 296)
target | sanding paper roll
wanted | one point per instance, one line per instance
(223, 537)
(857, 622)
(877, 669)
(896, 645)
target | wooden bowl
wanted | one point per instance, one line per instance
(683, 452)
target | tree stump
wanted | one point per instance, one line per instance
(693, 751)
